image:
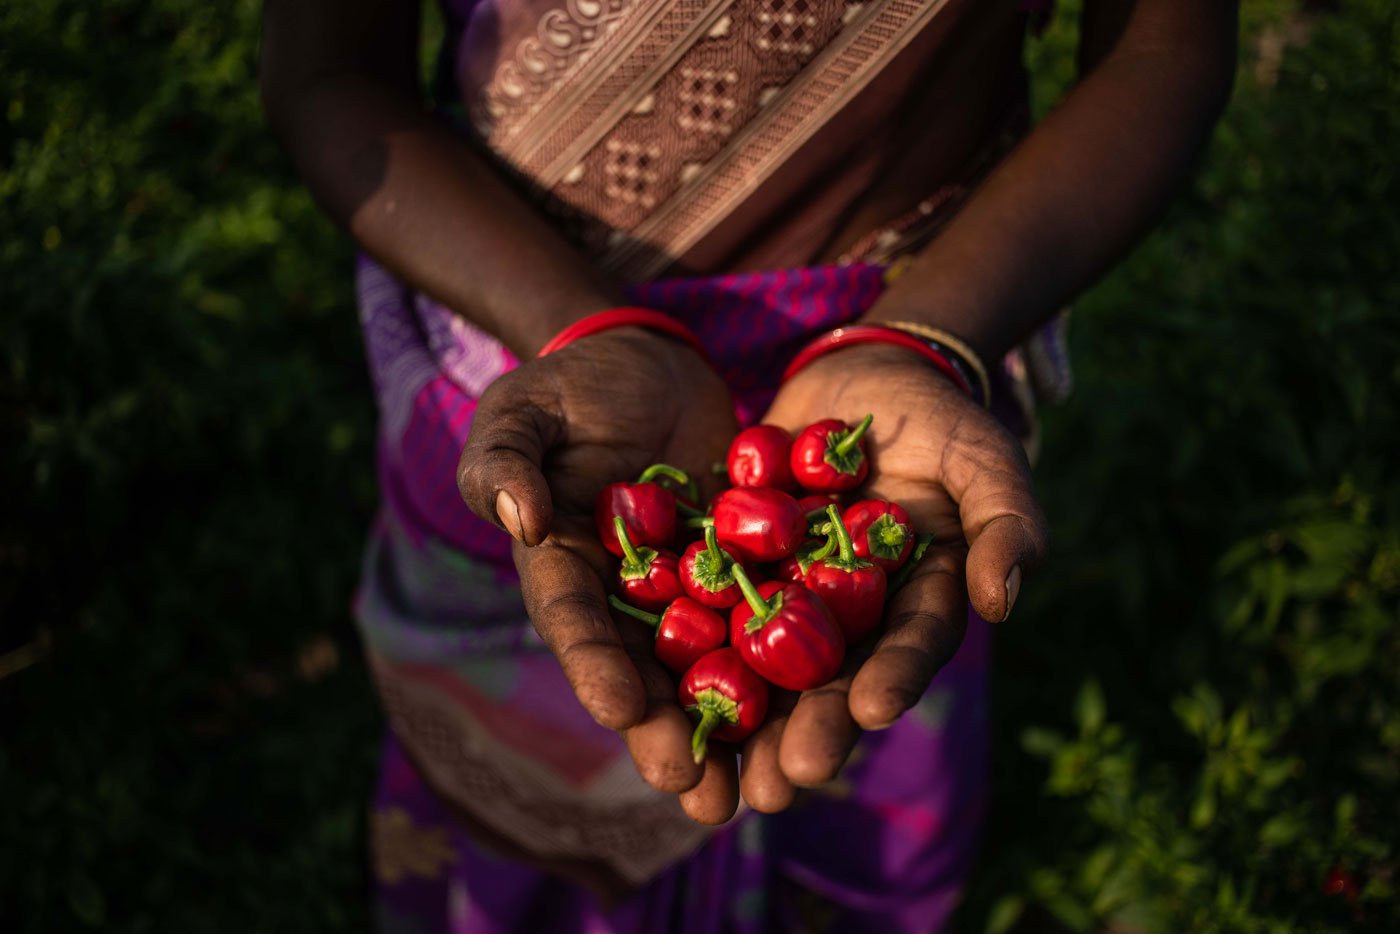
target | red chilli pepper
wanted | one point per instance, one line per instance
(813, 502)
(706, 573)
(786, 634)
(829, 456)
(685, 631)
(647, 507)
(880, 531)
(853, 588)
(649, 578)
(760, 456)
(729, 696)
(1341, 882)
(757, 524)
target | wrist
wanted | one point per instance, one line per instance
(927, 292)
(957, 351)
(894, 341)
(631, 318)
(531, 332)
(866, 357)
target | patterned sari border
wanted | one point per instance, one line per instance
(839, 73)
(590, 102)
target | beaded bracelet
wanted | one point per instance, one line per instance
(623, 318)
(962, 356)
(876, 334)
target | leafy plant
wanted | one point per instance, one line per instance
(1217, 629)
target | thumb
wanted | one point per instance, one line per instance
(1002, 521)
(499, 472)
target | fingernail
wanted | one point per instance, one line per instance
(1013, 589)
(509, 514)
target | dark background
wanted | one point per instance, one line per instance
(1197, 706)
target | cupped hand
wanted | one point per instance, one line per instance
(545, 439)
(966, 481)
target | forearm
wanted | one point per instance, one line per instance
(416, 198)
(1082, 188)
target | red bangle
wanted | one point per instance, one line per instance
(874, 334)
(625, 318)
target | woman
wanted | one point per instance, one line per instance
(762, 172)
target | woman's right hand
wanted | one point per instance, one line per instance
(340, 85)
(545, 439)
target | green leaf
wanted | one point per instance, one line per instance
(1096, 866)
(1331, 541)
(1203, 809)
(1005, 913)
(1041, 742)
(1089, 708)
(1280, 831)
(1345, 814)
(1239, 556)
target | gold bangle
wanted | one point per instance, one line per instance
(953, 343)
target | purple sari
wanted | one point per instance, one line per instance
(886, 845)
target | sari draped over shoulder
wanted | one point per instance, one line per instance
(755, 169)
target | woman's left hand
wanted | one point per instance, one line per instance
(964, 479)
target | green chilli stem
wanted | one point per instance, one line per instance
(651, 619)
(715, 710)
(852, 439)
(712, 545)
(843, 537)
(824, 552)
(710, 720)
(891, 532)
(700, 522)
(628, 549)
(665, 470)
(762, 610)
(922, 543)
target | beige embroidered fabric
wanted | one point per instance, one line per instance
(715, 135)
(616, 819)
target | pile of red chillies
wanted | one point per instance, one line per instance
(781, 580)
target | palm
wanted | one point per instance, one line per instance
(922, 428)
(963, 479)
(545, 440)
(638, 410)
(547, 437)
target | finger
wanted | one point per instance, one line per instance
(716, 798)
(819, 735)
(990, 479)
(761, 779)
(564, 598)
(660, 742)
(499, 471)
(925, 620)
(660, 747)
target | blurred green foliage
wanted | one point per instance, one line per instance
(187, 440)
(1198, 705)
(1199, 708)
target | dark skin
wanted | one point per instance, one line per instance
(340, 88)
